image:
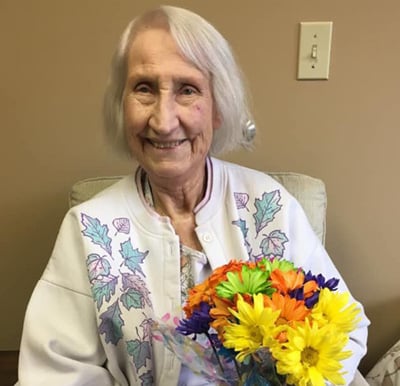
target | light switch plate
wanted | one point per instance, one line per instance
(314, 50)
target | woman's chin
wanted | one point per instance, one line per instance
(177, 172)
(165, 169)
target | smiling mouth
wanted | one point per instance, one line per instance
(165, 144)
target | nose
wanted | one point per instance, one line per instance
(164, 118)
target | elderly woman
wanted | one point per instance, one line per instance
(129, 254)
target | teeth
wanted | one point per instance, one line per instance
(166, 145)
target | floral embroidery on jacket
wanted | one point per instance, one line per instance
(133, 295)
(266, 207)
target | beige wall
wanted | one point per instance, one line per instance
(54, 62)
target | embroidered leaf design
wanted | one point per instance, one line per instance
(241, 200)
(111, 324)
(273, 244)
(266, 207)
(122, 225)
(103, 287)
(140, 351)
(97, 266)
(147, 328)
(133, 257)
(132, 298)
(135, 282)
(242, 225)
(97, 232)
(147, 379)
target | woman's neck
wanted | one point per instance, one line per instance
(178, 198)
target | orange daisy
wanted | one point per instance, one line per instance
(291, 309)
(287, 281)
(309, 288)
(219, 274)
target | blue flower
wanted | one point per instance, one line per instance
(312, 300)
(331, 284)
(298, 293)
(198, 323)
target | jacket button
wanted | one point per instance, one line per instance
(207, 237)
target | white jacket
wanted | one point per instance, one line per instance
(116, 265)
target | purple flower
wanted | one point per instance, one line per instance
(198, 323)
(297, 294)
(311, 301)
(322, 282)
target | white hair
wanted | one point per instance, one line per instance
(202, 45)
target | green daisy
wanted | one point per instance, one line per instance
(249, 281)
(272, 264)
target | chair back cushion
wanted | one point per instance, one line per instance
(309, 191)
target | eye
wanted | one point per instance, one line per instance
(188, 90)
(142, 88)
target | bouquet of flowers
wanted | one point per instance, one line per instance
(266, 323)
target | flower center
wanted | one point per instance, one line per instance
(255, 334)
(309, 356)
(281, 320)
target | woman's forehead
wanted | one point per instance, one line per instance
(155, 49)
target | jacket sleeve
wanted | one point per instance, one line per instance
(309, 253)
(60, 342)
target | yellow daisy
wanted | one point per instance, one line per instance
(254, 328)
(312, 355)
(333, 308)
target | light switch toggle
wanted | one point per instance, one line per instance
(314, 51)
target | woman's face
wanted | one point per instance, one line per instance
(168, 108)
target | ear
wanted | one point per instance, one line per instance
(217, 120)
